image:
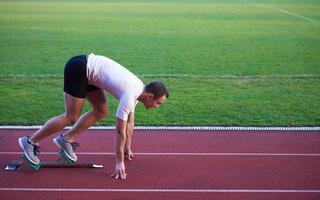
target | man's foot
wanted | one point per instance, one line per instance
(67, 149)
(30, 152)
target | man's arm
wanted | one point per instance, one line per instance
(120, 141)
(130, 126)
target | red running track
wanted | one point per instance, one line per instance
(175, 165)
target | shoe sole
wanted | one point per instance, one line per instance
(27, 158)
(63, 153)
(65, 157)
(33, 166)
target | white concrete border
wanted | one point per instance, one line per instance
(187, 128)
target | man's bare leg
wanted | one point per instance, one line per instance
(99, 111)
(73, 107)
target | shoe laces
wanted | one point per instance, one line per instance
(36, 150)
(74, 145)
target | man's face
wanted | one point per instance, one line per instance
(154, 103)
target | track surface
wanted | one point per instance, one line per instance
(175, 165)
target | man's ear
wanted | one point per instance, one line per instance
(150, 96)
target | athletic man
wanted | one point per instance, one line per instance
(86, 77)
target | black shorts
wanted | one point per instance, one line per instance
(75, 77)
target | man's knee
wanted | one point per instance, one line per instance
(101, 111)
(72, 118)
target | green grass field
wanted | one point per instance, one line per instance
(226, 62)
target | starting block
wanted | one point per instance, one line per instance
(60, 163)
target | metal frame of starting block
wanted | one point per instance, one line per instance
(60, 163)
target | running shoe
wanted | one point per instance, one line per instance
(30, 152)
(67, 149)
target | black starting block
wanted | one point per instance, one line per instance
(60, 163)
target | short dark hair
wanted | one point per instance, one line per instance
(157, 88)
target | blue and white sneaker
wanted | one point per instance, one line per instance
(30, 152)
(67, 149)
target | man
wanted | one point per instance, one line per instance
(86, 77)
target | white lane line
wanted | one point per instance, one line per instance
(299, 16)
(182, 154)
(158, 190)
(184, 128)
(283, 11)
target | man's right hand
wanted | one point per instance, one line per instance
(119, 171)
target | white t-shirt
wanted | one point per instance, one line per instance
(110, 76)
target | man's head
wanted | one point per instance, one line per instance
(154, 94)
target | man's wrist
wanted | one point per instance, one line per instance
(120, 165)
